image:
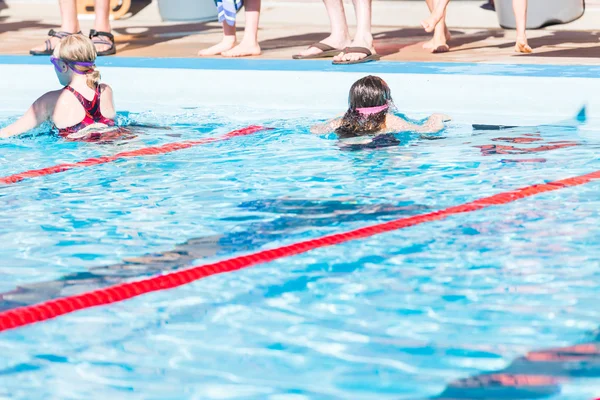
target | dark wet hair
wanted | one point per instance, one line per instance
(370, 91)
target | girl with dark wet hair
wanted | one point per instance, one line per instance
(370, 107)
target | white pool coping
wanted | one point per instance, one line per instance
(469, 96)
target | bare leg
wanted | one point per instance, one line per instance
(363, 37)
(436, 16)
(229, 41)
(249, 45)
(340, 37)
(434, 44)
(68, 16)
(102, 24)
(520, 9)
(441, 36)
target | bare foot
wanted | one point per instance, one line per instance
(243, 49)
(226, 44)
(431, 43)
(358, 42)
(53, 42)
(352, 56)
(522, 47)
(429, 23)
(336, 43)
(101, 42)
(428, 45)
(100, 45)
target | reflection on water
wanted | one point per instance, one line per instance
(447, 310)
(291, 215)
(536, 375)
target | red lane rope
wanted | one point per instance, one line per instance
(145, 151)
(51, 309)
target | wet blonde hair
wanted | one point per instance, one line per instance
(81, 49)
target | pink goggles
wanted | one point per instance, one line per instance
(71, 64)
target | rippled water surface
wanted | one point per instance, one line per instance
(487, 304)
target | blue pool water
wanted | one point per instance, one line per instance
(405, 315)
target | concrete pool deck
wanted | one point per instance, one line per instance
(289, 26)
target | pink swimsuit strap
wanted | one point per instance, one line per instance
(93, 115)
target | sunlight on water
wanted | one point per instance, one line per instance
(464, 308)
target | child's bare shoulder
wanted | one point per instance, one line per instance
(54, 95)
(104, 88)
(49, 100)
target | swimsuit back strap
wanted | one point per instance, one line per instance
(87, 104)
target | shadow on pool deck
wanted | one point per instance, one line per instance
(289, 26)
(159, 34)
(557, 44)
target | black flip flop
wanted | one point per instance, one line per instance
(362, 50)
(326, 51)
(97, 38)
(49, 49)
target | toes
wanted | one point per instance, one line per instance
(353, 57)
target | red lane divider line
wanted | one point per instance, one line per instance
(54, 308)
(145, 151)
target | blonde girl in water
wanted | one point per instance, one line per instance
(84, 108)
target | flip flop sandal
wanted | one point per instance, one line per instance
(361, 50)
(97, 38)
(326, 51)
(49, 49)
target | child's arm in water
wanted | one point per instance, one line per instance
(39, 112)
(434, 123)
(327, 127)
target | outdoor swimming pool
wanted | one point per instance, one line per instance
(406, 314)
